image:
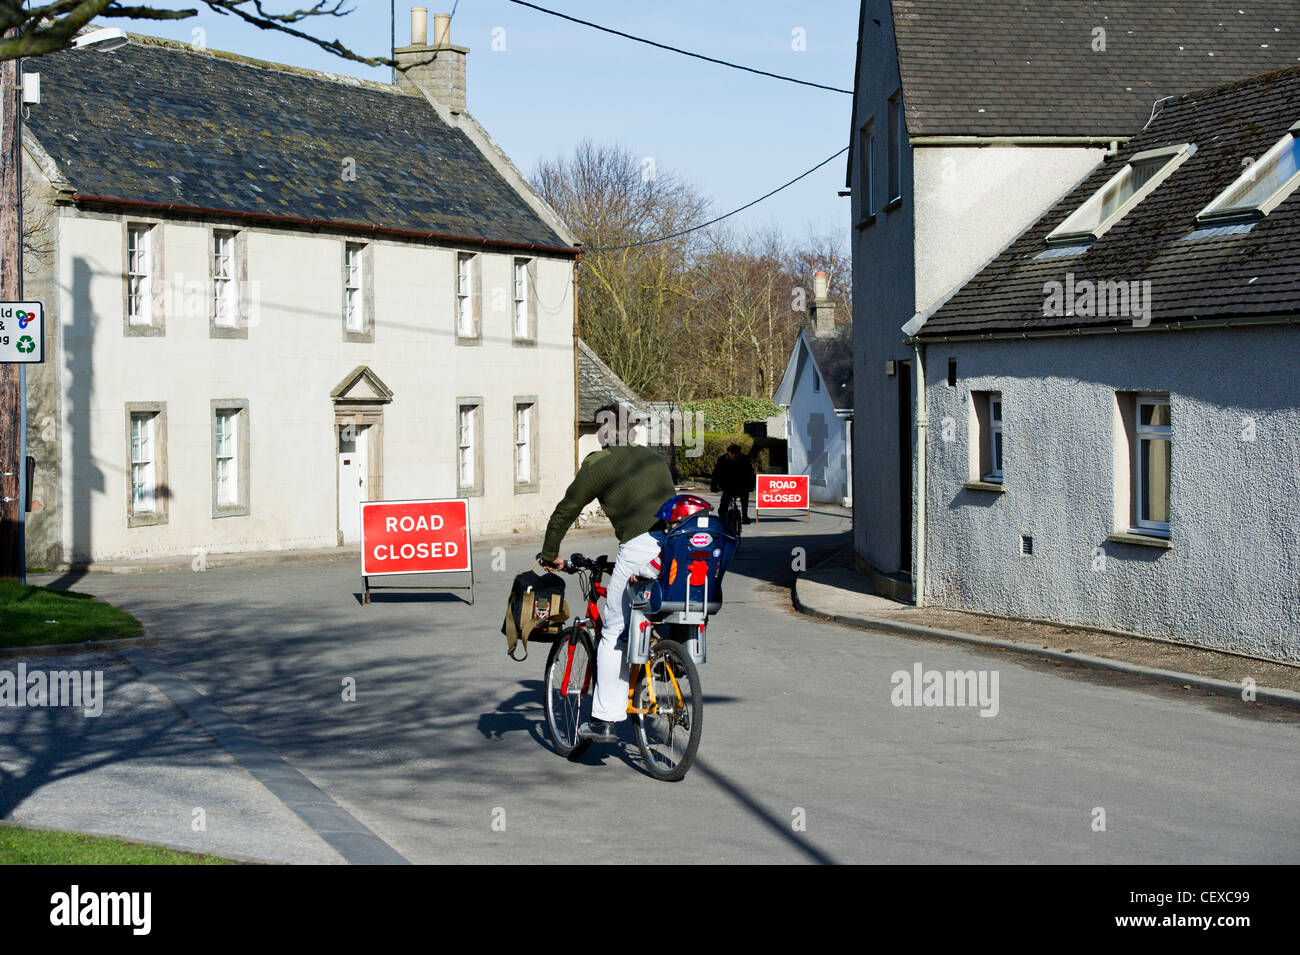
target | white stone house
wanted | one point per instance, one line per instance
(816, 391)
(969, 121)
(274, 293)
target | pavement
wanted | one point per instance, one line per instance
(311, 728)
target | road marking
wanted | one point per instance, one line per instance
(339, 828)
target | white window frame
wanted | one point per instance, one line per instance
(522, 310)
(139, 274)
(996, 441)
(1143, 433)
(464, 295)
(354, 305)
(1222, 210)
(225, 279)
(144, 462)
(1072, 230)
(467, 445)
(524, 443)
(227, 454)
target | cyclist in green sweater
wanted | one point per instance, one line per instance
(631, 483)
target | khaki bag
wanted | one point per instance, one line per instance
(536, 605)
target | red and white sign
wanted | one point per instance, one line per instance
(414, 537)
(780, 491)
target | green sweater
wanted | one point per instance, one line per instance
(631, 483)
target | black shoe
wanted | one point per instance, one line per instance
(598, 731)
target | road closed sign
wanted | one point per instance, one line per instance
(22, 332)
(414, 537)
(780, 491)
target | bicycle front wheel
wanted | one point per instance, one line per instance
(569, 685)
(669, 732)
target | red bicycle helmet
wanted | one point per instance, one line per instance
(681, 507)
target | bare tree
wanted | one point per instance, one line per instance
(634, 292)
(47, 27)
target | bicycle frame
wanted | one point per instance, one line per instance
(596, 590)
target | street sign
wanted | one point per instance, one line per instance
(779, 492)
(22, 333)
(428, 536)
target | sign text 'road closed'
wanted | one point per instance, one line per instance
(414, 537)
(783, 490)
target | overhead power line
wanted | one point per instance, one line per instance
(705, 225)
(673, 49)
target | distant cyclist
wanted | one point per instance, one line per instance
(733, 475)
(632, 484)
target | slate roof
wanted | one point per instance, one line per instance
(834, 357)
(1027, 67)
(599, 386)
(158, 122)
(1253, 274)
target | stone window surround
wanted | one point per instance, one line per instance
(240, 328)
(530, 301)
(366, 334)
(475, 297)
(476, 402)
(161, 493)
(157, 326)
(241, 508)
(531, 486)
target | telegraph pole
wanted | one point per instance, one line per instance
(13, 560)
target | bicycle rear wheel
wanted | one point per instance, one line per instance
(569, 684)
(669, 735)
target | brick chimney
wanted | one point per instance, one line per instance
(437, 68)
(823, 309)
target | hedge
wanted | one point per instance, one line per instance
(767, 454)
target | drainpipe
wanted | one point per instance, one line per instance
(848, 463)
(922, 448)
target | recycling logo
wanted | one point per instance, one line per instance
(25, 345)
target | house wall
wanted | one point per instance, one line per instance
(1230, 578)
(827, 470)
(972, 202)
(294, 356)
(960, 206)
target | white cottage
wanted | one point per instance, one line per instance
(817, 394)
(274, 293)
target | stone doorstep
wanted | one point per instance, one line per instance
(844, 596)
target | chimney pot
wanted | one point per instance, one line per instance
(420, 26)
(442, 29)
(819, 286)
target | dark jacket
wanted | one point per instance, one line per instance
(733, 477)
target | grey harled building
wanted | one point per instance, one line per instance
(1113, 402)
(970, 121)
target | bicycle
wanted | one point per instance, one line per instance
(664, 696)
(733, 516)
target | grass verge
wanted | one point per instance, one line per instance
(19, 846)
(34, 616)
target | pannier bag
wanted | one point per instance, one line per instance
(536, 605)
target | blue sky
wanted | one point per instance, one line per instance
(733, 135)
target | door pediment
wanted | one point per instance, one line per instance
(363, 386)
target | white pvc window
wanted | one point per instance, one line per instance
(521, 298)
(464, 296)
(523, 444)
(995, 438)
(224, 296)
(353, 305)
(465, 445)
(142, 463)
(138, 299)
(1151, 471)
(1264, 184)
(227, 452)
(1130, 185)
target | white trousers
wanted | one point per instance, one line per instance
(634, 560)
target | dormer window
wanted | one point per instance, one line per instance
(1134, 182)
(1264, 184)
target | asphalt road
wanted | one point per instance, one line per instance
(804, 758)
